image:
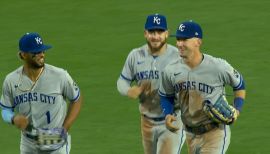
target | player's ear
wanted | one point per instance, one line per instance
(199, 42)
(21, 55)
(145, 33)
(167, 33)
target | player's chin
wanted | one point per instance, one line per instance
(183, 56)
(39, 65)
(157, 45)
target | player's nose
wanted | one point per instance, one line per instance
(40, 54)
(179, 43)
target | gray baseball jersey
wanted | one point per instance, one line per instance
(44, 103)
(140, 66)
(205, 82)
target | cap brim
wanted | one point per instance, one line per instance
(180, 36)
(156, 28)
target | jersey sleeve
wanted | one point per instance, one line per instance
(166, 86)
(128, 69)
(231, 76)
(6, 100)
(70, 89)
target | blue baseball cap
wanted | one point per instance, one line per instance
(189, 29)
(156, 21)
(32, 43)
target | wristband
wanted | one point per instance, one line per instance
(238, 103)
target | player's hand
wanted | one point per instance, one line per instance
(235, 116)
(20, 121)
(146, 87)
(169, 121)
(134, 92)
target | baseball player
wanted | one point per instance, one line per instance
(35, 94)
(194, 78)
(143, 66)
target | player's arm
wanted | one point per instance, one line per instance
(239, 97)
(127, 77)
(71, 91)
(239, 94)
(73, 112)
(134, 92)
(168, 109)
(167, 101)
(8, 115)
(124, 87)
(232, 77)
(18, 120)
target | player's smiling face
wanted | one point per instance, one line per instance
(156, 39)
(36, 60)
(187, 47)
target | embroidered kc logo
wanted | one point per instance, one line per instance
(182, 27)
(156, 20)
(38, 40)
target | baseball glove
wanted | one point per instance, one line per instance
(220, 111)
(48, 139)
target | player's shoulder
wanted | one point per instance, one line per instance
(172, 50)
(172, 66)
(139, 51)
(54, 70)
(215, 62)
(14, 75)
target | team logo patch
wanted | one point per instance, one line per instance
(156, 20)
(38, 40)
(236, 74)
(75, 85)
(182, 27)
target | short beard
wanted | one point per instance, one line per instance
(35, 65)
(154, 50)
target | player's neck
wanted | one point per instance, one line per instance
(158, 52)
(33, 73)
(196, 60)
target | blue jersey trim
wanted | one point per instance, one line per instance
(78, 95)
(181, 140)
(224, 139)
(4, 106)
(67, 147)
(126, 78)
(241, 85)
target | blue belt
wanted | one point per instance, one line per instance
(154, 119)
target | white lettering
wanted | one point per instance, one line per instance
(182, 27)
(38, 40)
(156, 20)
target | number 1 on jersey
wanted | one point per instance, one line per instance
(48, 117)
